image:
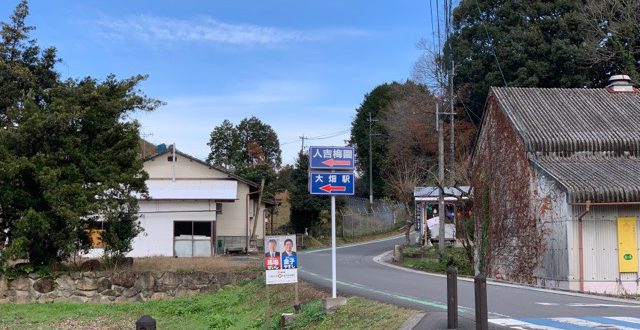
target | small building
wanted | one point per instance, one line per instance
(560, 170)
(426, 204)
(195, 209)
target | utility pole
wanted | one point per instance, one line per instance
(144, 144)
(452, 156)
(302, 147)
(370, 162)
(441, 210)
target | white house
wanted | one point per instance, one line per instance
(195, 209)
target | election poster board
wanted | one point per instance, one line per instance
(280, 259)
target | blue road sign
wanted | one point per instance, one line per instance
(331, 158)
(323, 183)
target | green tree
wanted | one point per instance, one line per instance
(537, 44)
(305, 208)
(258, 144)
(68, 155)
(250, 149)
(223, 143)
(612, 38)
(374, 103)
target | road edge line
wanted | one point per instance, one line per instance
(379, 260)
(351, 245)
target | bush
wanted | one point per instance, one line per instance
(454, 256)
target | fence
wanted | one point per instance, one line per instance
(358, 218)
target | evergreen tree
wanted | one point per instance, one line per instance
(250, 149)
(374, 103)
(68, 154)
(536, 43)
(305, 208)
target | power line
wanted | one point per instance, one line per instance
(319, 137)
(329, 135)
(493, 50)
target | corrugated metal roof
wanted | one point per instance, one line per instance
(432, 193)
(193, 189)
(565, 121)
(596, 178)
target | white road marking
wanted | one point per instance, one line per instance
(547, 304)
(625, 319)
(589, 324)
(602, 305)
(517, 324)
(610, 323)
(352, 245)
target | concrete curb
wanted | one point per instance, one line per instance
(380, 259)
(412, 321)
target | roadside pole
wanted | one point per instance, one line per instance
(331, 173)
(333, 247)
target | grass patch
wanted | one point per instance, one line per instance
(359, 313)
(431, 262)
(239, 307)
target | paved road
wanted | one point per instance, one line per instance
(515, 307)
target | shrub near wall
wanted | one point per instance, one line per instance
(112, 286)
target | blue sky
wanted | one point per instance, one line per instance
(301, 66)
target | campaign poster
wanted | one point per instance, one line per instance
(280, 259)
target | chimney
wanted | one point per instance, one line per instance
(621, 84)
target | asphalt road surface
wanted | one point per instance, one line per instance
(509, 306)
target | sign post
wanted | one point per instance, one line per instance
(333, 247)
(331, 173)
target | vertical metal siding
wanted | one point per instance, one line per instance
(600, 241)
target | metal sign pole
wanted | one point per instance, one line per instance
(333, 246)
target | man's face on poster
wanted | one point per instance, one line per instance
(288, 245)
(272, 246)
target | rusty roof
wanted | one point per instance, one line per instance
(567, 121)
(598, 178)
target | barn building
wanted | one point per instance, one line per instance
(574, 153)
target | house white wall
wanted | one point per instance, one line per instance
(157, 217)
(185, 168)
(232, 220)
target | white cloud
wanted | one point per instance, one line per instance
(208, 30)
(288, 106)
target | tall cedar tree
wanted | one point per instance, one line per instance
(305, 208)
(250, 149)
(537, 44)
(68, 153)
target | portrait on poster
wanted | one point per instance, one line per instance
(280, 259)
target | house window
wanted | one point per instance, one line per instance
(192, 238)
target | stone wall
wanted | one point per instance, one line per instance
(123, 286)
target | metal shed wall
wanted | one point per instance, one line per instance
(600, 244)
(551, 209)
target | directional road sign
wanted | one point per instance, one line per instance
(331, 158)
(323, 183)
